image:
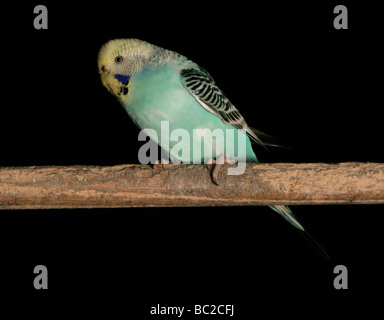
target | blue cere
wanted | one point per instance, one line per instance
(124, 79)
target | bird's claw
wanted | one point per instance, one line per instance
(217, 164)
(215, 173)
(158, 165)
(209, 163)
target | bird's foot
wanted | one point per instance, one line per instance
(215, 173)
(209, 163)
(217, 166)
(159, 164)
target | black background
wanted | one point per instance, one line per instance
(288, 71)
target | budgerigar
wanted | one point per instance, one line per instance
(154, 84)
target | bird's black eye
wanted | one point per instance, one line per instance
(119, 59)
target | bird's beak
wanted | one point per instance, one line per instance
(104, 73)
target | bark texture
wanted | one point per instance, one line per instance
(190, 185)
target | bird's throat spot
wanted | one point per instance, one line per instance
(123, 90)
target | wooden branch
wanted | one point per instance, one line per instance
(190, 185)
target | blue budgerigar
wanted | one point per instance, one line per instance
(154, 84)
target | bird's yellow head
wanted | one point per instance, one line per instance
(119, 60)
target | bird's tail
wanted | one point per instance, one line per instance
(287, 214)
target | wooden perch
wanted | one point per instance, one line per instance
(190, 185)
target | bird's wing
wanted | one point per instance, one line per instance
(203, 88)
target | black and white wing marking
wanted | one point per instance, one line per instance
(204, 89)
